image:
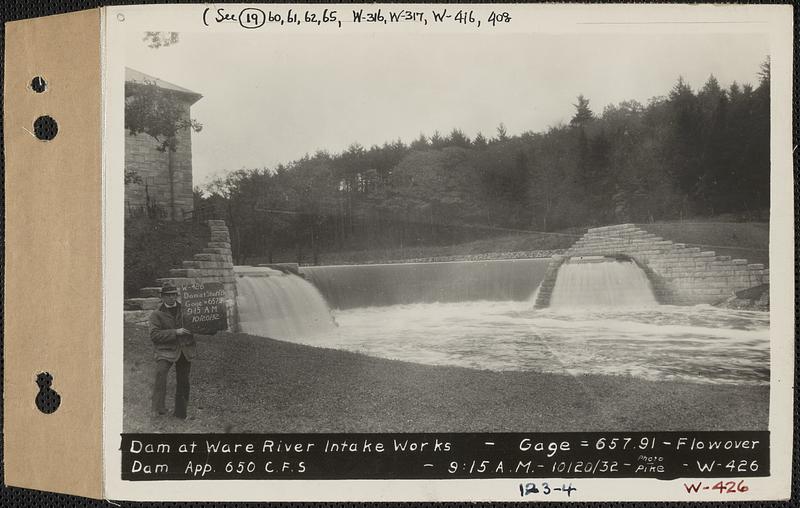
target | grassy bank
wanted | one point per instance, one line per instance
(242, 383)
(514, 242)
(511, 242)
(746, 240)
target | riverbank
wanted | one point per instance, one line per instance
(242, 383)
(748, 240)
(507, 246)
(486, 256)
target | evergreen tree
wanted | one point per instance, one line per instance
(682, 155)
(764, 73)
(684, 145)
(457, 138)
(421, 143)
(735, 91)
(582, 112)
(437, 141)
(502, 135)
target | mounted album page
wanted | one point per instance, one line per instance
(493, 252)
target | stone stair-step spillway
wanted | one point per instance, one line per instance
(214, 263)
(680, 274)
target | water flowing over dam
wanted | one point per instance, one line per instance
(603, 319)
(351, 286)
(601, 282)
(279, 305)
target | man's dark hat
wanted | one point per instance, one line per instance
(168, 288)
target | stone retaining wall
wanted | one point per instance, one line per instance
(548, 283)
(681, 275)
(213, 264)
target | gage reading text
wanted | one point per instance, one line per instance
(564, 455)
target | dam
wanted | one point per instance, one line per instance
(620, 302)
(350, 286)
(604, 318)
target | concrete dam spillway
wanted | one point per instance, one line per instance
(282, 305)
(603, 319)
(279, 305)
(351, 286)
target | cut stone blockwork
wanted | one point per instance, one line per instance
(548, 283)
(213, 264)
(163, 178)
(680, 275)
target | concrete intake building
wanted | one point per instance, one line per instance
(162, 183)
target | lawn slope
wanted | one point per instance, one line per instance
(242, 383)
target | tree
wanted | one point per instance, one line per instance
(680, 90)
(598, 179)
(458, 138)
(764, 72)
(437, 141)
(735, 91)
(712, 88)
(683, 154)
(421, 143)
(154, 111)
(502, 135)
(754, 186)
(717, 156)
(684, 129)
(479, 141)
(582, 112)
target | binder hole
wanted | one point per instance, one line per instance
(38, 84)
(45, 128)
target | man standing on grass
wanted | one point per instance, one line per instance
(173, 344)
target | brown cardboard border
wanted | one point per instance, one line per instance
(53, 277)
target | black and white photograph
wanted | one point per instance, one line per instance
(446, 231)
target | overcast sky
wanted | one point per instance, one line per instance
(272, 99)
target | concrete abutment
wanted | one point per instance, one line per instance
(680, 275)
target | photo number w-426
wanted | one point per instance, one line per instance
(722, 487)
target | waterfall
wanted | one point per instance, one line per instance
(601, 283)
(279, 305)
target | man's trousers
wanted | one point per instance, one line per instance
(182, 367)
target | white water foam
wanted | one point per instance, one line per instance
(697, 344)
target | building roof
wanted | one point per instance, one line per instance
(134, 76)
